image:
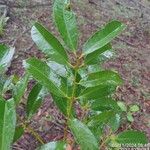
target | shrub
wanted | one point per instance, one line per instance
(74, 78)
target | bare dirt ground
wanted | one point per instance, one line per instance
(132, 48)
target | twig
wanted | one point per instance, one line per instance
(35, 134)
(105, 139)
(31, 130)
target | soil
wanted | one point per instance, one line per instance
(132, 60)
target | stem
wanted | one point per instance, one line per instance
(73, 95)
(31, 130)
(71, 101)
(105, 140)
(35, 134)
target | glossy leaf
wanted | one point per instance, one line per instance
(103, 36)
(107, 55)
(5, 83)
(7, 123)
(61, 103)
(83, 135)
(132, 137)
(93, 68)
(6, 55)
(115, 121)
(42, 73)
(97, 92)
(8, 84)
(97, 131)
(66, 74)
(20, 88)
(66, 23)
(98, 122)
(101, 78)
(34, 100)
(59, 69)
(95, 56)
(48, 44)
(18, 133)
(88, 69)
(102, 118)
(56, 145)
(105, 104)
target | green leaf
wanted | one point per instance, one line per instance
(132, 137)
(97, 92)
(34, 100)
(101, 78)
(106, 56)
(103, 37)
(122, 106)
(94, 68)
(7, 123)
(97, 131)
(61, 103)
(20, 88)
(48, 44)
(66, 23)
(114, 122)
(83, 135)
(130, 117)
(98, 122)
(88, 69)
(2, 82)
(95, 57)
(134, 108)
(101, 118)
(42, 73)
(66, 74)
(5, 83)
(6, 55)
(105, 104)
(60, 69)
(18, 133)
(56, 145)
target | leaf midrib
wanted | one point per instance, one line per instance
(61, 92)
(101, 41)
(54, 50)
(36, 99)
(67, 30)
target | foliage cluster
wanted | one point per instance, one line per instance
(73, 78)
